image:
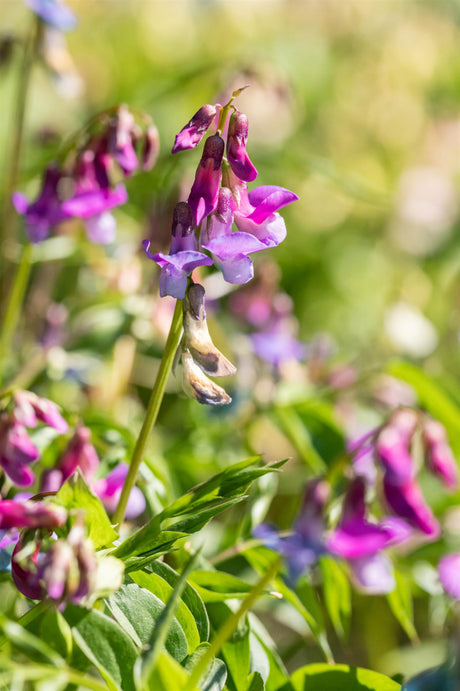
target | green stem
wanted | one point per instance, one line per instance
(14, 304)
(153, 408)
(17, 136)
(29, 616)
(230, 626)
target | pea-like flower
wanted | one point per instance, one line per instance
(236, 148)
(191, 135)
(205, 189)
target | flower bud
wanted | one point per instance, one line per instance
(121, 138)
(30, 408)
(193, 132)
(197, 338)
(197, 385)
(80, 453)
(205, 189)
(236, 148)
(439, 457)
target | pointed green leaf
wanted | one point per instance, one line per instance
(400, 601)
(322, 677)
(337, 594)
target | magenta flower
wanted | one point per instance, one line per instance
(121, 140)
(229, 250)
(29, 408)
(108, 489)
(183, 256)
(449, 574)
(80, 453)
(205, 189)
(17, 451)
(236, 148)
(193, 132)
(439, 457)
(42, 215)
(53, 12)
(29, 514)
(408, 502)
(393, 446)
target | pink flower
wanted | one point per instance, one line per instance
(236, 148)
(193, 132)
(205, 189)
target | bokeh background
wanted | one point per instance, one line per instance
(355, 106)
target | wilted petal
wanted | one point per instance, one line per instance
(193, 132)
(374, 574)
(449, 574)
(197, 385)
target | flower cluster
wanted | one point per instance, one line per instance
(112, 144)
(219, 196)
(17, 451)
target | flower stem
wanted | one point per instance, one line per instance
(17, 134)
(14, 304)
(153, 408)
(230, 626)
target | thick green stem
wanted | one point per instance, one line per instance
(17, 135)
(230, 626)
(14, 304)
(152, 410)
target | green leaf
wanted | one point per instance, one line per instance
(337, 594)
(189, 595)
(32, 646)
(256, 683)
(75, 494)
(215, 586)
(400, 601)
(137, 610)
(161, 589)
(214, 677)
(166, 675)
(55, 630)
(323, 677)
(105, 644)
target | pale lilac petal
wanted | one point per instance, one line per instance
(276, 346)
(109, 490)
(236, 270)
(449, 574)
(271, 232)
(227, 246)
(53, 12)
(267, 199)
(374, 574)
(101, 228)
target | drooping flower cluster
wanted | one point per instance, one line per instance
(219, 196)
(17, 451)
(83, 186)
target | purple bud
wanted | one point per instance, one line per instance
(439, 457)
(183, 233)
(80, 453)
(236, 148)
(24, 571)
(151, 148)
(120, 140)
(205, 189)
(44, 410)
(408, 502)
(193, 132)
(394, 455)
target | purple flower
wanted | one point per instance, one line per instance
(193, 132)
(29, 408)
(46, 211)
(229, 250)
(184, 256)
(393, 446)
(29, 514)
(80, 453)
(449, 574)
(439, 457)
(276, 344)
(53, 12)
(17, 451)
(407, 501)
(120, 140)
(360, 542)
(305, 544)
(236, 148)
(205, 189)
(109, 489)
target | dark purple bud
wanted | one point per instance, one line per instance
(205, 189)
(193, 132)
(24, 570)
(236, 148)
(151, 148)
(183, 232)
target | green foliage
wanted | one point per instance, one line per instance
(320, 677)
(337, 594)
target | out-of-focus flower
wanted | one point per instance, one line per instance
(306, 543)
(276, 343)
(361, 542)
(121, 140)
(205, 189)
(449, 574)
(109, 488)
(439, 457)
(183, 255)
(407, 501)
(29, 408)
(53, 12)
(58, 61)
(30, 514)
(193, 132)
(17, 451)
(151, 148)
(409, 330)
(236, 148)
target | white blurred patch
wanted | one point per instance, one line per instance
(410, 331)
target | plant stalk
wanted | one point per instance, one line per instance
(153, 408)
